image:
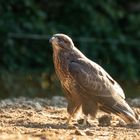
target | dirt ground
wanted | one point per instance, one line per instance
(44, 119)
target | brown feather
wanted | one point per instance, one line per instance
(87, 84)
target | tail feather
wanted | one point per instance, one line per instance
(126, 113)
(122, 110)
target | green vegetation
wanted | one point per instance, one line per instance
(107, 32)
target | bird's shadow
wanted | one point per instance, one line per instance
(50, 125)
(58, 126)
(42, 125)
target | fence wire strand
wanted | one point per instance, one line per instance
(78, 39)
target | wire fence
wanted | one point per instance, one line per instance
(78, 39)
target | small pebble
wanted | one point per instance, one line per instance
(89, 133)
(78, 132)
(105, 120)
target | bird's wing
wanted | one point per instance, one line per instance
(96, 84)
(93, 79)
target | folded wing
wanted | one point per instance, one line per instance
(98, 84)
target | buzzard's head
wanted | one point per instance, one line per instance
(61, 41)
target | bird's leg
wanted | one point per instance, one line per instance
(69, 119)
(72, 112)
(85, 121)
(71, 115)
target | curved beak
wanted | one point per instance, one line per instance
(51, 39)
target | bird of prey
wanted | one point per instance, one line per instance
(86, 84)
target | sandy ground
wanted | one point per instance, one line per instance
(44, 119)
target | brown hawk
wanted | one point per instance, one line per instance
(86, 84)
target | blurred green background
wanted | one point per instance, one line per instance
(108, 32)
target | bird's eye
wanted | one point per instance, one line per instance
(63, 41)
